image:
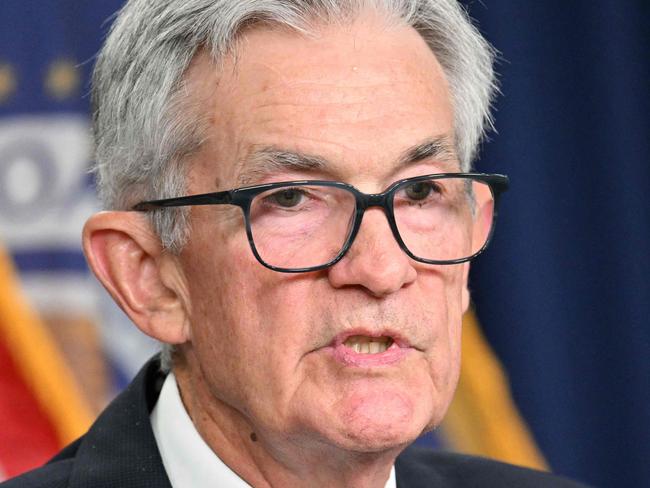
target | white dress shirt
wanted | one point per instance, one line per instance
(188, 460)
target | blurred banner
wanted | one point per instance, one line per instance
(562, 295)
(65, 348)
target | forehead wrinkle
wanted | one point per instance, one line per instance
(268, 160)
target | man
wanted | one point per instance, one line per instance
(290, 217)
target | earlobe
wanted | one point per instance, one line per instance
(146, 282)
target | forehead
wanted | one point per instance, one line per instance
(355, 96)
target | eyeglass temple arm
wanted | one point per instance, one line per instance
(217, 198)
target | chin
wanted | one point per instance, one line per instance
(383, 421)
(380, 440)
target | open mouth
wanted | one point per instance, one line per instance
(369, 350)
(368, 345)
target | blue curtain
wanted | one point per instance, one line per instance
(563, 294)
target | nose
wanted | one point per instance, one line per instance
(374, 261)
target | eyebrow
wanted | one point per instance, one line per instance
(439, 148)
(268, 160)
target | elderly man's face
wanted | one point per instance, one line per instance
(272, 346)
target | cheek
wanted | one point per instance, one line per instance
(447, 285)
(218, 265)
(456, 290)
(247, 321)
(445, 364)
(444, 368)
(232, 347)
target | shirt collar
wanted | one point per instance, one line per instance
(188, 460)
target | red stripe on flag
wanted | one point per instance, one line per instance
(27, 438)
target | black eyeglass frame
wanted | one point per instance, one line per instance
(242, 197)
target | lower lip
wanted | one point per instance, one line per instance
(350, 357)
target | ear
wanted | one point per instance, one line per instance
(146, 282)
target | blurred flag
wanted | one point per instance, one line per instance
(483, 419)
(41, 405)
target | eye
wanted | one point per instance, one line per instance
(289, 197)
(420, 190)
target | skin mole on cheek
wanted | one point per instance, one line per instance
(253, 436)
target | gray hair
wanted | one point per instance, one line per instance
(141, 125)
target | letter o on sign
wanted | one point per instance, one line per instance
(28, 174)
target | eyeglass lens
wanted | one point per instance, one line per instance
(308, 226)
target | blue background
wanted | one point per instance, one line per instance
(563, 293)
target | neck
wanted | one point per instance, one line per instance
(268, 459)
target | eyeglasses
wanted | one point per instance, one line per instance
(301, 226)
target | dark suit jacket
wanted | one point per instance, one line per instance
(120, 451)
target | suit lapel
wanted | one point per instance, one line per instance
(120, 450)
